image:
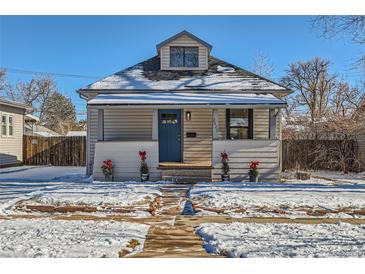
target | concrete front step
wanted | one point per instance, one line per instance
(187, 172)
(187, 179)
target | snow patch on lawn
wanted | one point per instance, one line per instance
(284, 240)
(50, 238)
(257, 199)
(88, 194)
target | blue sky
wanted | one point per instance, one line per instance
(97, 46)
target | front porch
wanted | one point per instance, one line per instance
(185, 141)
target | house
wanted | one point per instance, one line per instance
(32, 127)
(11, 135)
(184, 107)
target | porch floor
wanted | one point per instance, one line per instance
(196, 165)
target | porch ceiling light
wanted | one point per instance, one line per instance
(188, 116)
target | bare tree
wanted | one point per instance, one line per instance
(263, 66)
(35, 93)
(312, 84)
(331, 26)
(350, 25)
(5, 86)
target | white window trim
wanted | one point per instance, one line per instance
(7, 115)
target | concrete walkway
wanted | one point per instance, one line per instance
(173, 240)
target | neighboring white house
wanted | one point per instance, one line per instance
(33, 127)
(184, 107)
(11, 135)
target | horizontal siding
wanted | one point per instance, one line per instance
(241, 153)
(261, 124)
(184, 41)
(92, 137)
(11, 147)
(198, 149)
(128, 124)
(126, 160)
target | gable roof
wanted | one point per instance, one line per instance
(14, 104)
(220, 76)
(184, 32)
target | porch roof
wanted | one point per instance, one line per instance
(187, 99)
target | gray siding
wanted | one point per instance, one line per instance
(92, 136)
(11, 147)
(119, 124)
(183, 40)
(128, 124)
(261, 123)
(199, 148)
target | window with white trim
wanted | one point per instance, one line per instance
(7, 125)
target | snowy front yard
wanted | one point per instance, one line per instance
(70, 239)
(284, 240)
(278, 200)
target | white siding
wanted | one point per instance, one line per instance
(11, 147)
(241, 153)
(186, 41)
(126, 159)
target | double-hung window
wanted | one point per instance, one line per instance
(184, 57)
(7, 125)
(239, 124)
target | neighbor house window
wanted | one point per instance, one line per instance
(239, 124)
(184, 57)
(10, 125)
(7, 125)
(4, 126)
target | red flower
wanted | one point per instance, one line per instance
(143, 155)
(254, 164)
(224, 157)
(107, 164)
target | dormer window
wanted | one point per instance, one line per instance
(184, 57)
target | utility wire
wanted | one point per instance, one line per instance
(22, 71)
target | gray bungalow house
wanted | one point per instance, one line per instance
(184, 107)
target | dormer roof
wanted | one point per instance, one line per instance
(184, 32)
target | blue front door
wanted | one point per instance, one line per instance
(169, 135)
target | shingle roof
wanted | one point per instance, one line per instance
(220, 76)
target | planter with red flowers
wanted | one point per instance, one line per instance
(145, 174)
(107, 169)
(254, 171)
(225, 167)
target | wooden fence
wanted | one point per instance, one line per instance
(319, 154)
(57, 151)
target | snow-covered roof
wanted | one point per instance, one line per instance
(174, 98)
(30, 117)
(220, 76)
(76, 133)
